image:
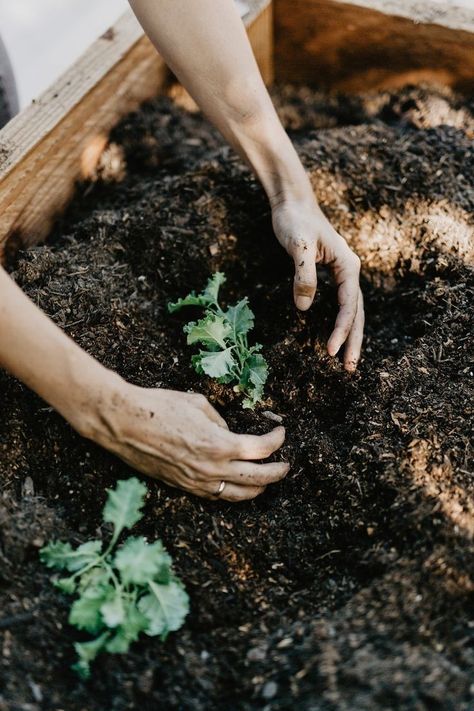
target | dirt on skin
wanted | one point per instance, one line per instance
(348, 586)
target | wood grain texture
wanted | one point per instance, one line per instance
(260, 32)
(59, 138)
(343, 46)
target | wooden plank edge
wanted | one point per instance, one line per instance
(57, 140)
(427, 12)
(32, 124)
(356, 46)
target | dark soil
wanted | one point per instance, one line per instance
(349, 585)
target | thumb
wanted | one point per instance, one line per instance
(304, 287)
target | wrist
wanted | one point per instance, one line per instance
(94, 394)
(270, 153)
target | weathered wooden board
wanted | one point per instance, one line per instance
(260, 24)
(58, 139)
(359, 45)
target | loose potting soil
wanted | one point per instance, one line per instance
(350, 584)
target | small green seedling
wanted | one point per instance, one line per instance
(227, 357)
(120, 592)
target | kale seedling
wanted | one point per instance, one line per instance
(122, 591)
(227, 357)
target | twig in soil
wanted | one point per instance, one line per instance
(14, 620)
(325, 555)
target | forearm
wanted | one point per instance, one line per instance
(205, 44)
(39, 354)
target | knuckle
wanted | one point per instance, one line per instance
(242, 447)
(209, 471)
(211, 449)
(266, 451)
(297, 243)
(191, 474)
(220, 450)
(302, 248)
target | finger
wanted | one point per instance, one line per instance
(256, 447)
(230, 492)
(347, 279)
(234, 493)
(354, 342)
(251, 474)
(305, 282)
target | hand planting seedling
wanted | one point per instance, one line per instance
(228, 357)
(123, 591)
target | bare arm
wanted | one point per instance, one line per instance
(40, 355)
(205, 44)
(176, 437)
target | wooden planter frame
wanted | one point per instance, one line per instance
(349, 46)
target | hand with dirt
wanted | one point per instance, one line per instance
(310, 239)
(176, 437)
(182, 440)
(206, 46)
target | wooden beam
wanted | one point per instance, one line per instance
(361, 45)
(259, 23)
(58, 139)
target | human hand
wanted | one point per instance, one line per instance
(181, 439)
(310, 239)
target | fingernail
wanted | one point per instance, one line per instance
(303, 303)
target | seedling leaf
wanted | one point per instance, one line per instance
(217, 365)
(112, 611)
(124, 504)
(129, 631)
(85, 612)
(139, 561)
(212, 330)
(56, 555)
(190, 300)
(87, 652)
(165, 608)
(211, 292)
(66, 585)
(209, 296)
(111, 586)
(254, 377)
(240, 318)
(228, 357)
